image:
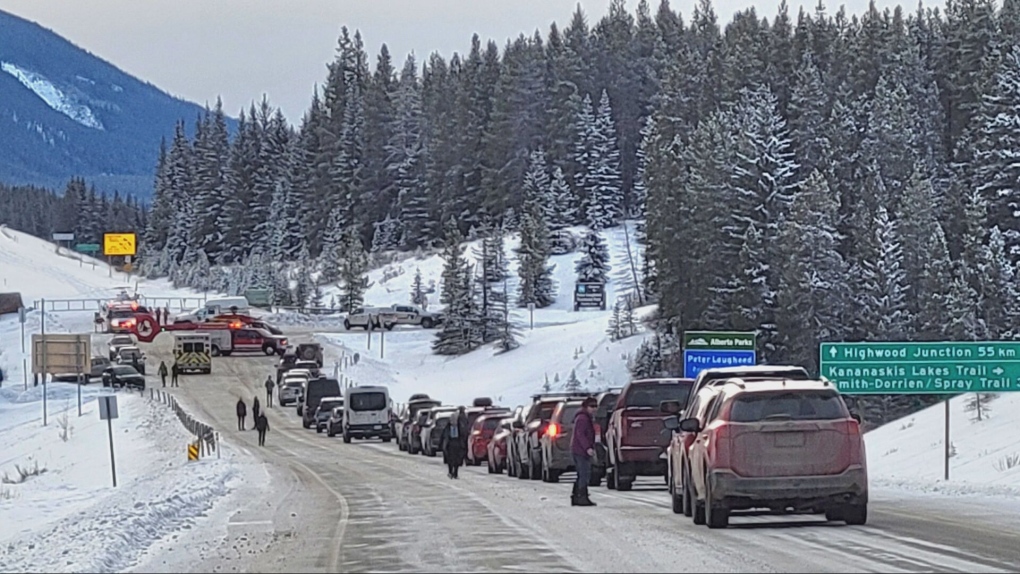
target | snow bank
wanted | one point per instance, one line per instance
(70, 517)
(908, 454)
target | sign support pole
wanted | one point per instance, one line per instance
(24, 354)
(45, 365)
(113, 461)
(382, 342)
(947, 440)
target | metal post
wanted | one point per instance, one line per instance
(78, 352)
(947, 441)
(217, 446)
(113, 462)
(42, 332)
(369, 332)
(109, 265)
(382, 342)
(80, 381)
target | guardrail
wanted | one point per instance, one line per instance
(78, 305)
(307, 310)
(205, 435)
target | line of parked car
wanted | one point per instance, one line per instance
(732, 439)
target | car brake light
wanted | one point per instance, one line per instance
(598, 429)
(553, 430)
(719, 446)
(476, 432)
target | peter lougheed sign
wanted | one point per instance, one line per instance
(922, 368)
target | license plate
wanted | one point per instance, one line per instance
(789, 439)
(378, 427)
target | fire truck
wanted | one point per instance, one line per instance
(122, 316)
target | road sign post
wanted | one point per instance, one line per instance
(713, 349)
(908, 368)
(108, 412)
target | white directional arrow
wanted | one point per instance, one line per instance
(832, 351)
(998, 370)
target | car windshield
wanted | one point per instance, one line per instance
(124, 371)
(328, 406)
(799, 406)
(375, 401)
(490, 424)
(121, 314)
(121, 340)
(649, 396)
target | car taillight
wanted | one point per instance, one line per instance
(851, 429)
(553, 430)
(598, 429)
(719, 446)
(476, 432)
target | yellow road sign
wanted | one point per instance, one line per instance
(119, 244)
(192, 451)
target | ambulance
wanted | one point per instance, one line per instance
(193, 352)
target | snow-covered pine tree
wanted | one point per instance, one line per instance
(455, 336)
(563, 210)
(1000, 297)
(537, 189)
(546, 386)
(628, 322)
(585, 155)
(452, 256)
(304, 286)
(883, 282)
(604, 202)
(406, 156)
(417, 289)
(536, 284)
(281, 287)
(507, 330)
(639, 195)
(613, 330)
(593, 265)
(573, 384)
(353, 272)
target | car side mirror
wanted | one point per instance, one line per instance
(669, 407)
(690, 425)
(518, 425)
(856, 417)
(672, 423)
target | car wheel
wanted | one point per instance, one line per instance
(318, 429)
(676, 498)
(330, 433)
(426, 323)
(611, 478)
(268, 350)
(596, 478)
(347, 437)
(534, 469)
(716, 515)
(523, 470)
(622, 484)
(685, 493)
(698, 512)
(347, 324)
(305, 424)
(554, 475)
(387, 439)
(855, 514)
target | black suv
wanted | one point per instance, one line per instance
(123, 376)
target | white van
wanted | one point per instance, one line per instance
(367, 413)
(214, 307)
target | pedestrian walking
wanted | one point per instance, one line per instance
(256, 409)
(242, 412)
(269, 392)
(582, 447)
(262, 425)
(166, 315)
(157, 314)
(174, 371)
(162, 372)
(453, 443)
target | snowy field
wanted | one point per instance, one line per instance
(562, 340)
(908, 454)
(64, 515)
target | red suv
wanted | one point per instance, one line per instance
(784, 445)
(634, 440)
(482, 431)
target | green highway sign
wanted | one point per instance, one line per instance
(87, 247)
(922, 368)
(719, 340)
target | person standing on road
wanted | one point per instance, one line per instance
(453, 443)
(162, 372)
(242, 412)
(262, 425)
(174, 371)
(582, 447)
(255, 409)
(269, 392)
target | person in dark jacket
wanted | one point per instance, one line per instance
(174, 371)
(242, 412)
(162, 371)
(582, 447)
(262, 425)
(453, 442)
(269, 391)
(255, 409)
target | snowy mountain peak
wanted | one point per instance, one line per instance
(54, 97)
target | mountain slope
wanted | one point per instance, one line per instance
(66, 112)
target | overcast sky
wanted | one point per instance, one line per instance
(241, 49)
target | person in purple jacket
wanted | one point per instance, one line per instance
(582, 446)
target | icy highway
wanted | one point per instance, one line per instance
(367, 507)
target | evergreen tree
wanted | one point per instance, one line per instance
(417, 289)
(593, 266)
(562, 212)
(536, 286)
(573, 384)
(506, 328)
(604, 201)
(883, 283)
(353, 272)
